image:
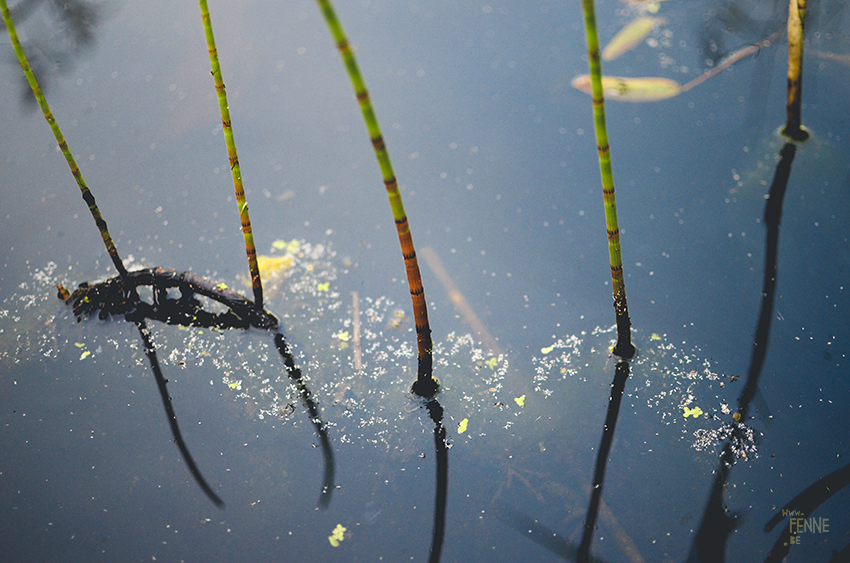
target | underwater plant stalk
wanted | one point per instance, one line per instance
(796, 23)
(88, 197)
(425, 384)
(235, 171)
(624, 347)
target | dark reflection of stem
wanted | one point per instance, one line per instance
(621, 374)
(710, 542)
(161, 382)
(772, 216)
(802, 506)
(307, 399)
(435, 411)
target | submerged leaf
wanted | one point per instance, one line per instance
(646, 89)
(630, 37)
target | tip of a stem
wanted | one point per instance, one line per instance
(425, 387)
(795, 133)
(625, 350)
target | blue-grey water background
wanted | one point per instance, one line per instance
(496, 160)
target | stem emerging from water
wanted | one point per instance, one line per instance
(425, 384)
(235, 171)
(624, 347)
(88, 197)
(796, 24)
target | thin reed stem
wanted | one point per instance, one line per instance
(235, 171)
(88, 197)
(624, 347)
(796, 24)
(425, 384)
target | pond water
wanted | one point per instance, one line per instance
(496, 161)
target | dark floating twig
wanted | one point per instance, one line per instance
(119, 297)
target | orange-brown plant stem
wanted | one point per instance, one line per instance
(425, 384)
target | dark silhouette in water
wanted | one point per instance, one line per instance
(717, 523)
(119, 296)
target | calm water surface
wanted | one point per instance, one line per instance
(495, 156)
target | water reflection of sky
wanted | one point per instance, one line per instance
(494, 153)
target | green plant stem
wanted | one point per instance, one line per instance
(796, 24)
(425, 384)
(235, 171)
(88, 197)
(624, 347)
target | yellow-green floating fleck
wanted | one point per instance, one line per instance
(547, 349)
(323, 286)
(630, 36)
(85, 355)
(461, 428)
(492, 363)
(645, 89)
(520, 400)
(695, 412)
(337, 535)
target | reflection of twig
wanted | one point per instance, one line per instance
(355, 313)
(150, 352)
(310, 404)
(433, 261)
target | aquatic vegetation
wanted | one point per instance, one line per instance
(630, 36)
(645, 89)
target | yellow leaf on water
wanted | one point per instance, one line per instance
(492, 363)
(337, 535)
(645, 89)
(520, 401)
(235, 384)
(547, 349)
(655, 336)
(343, 335)
(85, 355)
(695, 412)
(79, 344)
(461, 428)
(222, 286)
(271, 266)
(630, 37)
(323, 286)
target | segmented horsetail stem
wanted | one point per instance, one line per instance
(425, 384)
(624, 347)
(796, 25)
(235, 171)
(88, 197)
